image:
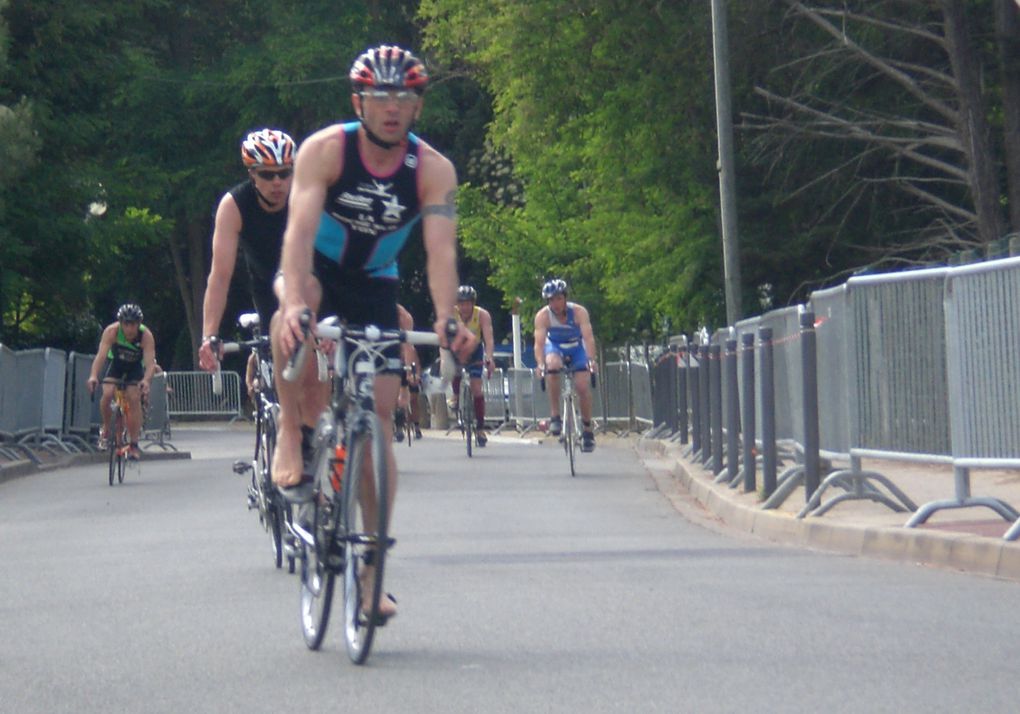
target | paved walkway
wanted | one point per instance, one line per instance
(968, 539)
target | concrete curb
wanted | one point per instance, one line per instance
(980, 555)
(19, 469)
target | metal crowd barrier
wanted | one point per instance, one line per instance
(156, 427)
(982, 323)
(494, 390)
(835, 363)
(192, 395)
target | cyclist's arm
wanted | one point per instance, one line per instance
(541, 329)
(485, 323)
(149, 358)
(105, 343)
(316, 167)
(587, 335)
(226, 236)
(439, 227)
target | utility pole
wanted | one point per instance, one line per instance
(724, 165)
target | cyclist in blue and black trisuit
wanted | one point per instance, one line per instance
(359, 190)
(563, 332)
(130, 348)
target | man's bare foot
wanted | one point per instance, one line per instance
(387, 605)
(287, 463)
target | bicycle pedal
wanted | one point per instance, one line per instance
(242, 467)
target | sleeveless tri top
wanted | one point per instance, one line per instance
(367, 219)
(126, 351)
(261, 235)
(561, 333)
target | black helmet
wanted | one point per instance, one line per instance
(129, 312)
(554, 287)
(466, 292)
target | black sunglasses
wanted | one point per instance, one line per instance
(270, 175)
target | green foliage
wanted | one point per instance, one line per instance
(605, 111)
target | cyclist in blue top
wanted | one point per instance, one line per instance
(130, 349)
(359, 189)
(563, 333)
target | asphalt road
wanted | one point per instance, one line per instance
(521, 589)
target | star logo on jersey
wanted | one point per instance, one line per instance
(393, 212)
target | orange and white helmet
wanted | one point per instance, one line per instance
(388, 66)
(269, 147)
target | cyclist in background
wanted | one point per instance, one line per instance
(479, 322)
(410, 383)
(563, 329)
(130, 348)
(251, 217)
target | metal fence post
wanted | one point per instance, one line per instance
(715, 360)
(809, 377)
(732, 412)
(768, 413)
(750, 465)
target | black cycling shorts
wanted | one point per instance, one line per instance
(357, 299)
(130, 371)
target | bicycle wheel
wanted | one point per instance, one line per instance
(111, 438)
(365, 484)
(317, 578)
(269, 508)
(467, 412)
(569, 429)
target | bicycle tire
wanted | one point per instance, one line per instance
(569, 427)
(360, 621)
(467, 412)
(112, 438)
(269, 508)
(317, 580)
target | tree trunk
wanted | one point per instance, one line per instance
(1007, 28)
(972, 122)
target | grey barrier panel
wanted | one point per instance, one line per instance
(830, 309)
(9, 392)
(494, 390)
(31, 375)
(193, 395)
(616, 377)
(539, 399)
(641, 393)
(834, 369)
(664, 401)
(78, 412)
(898, 375)
(809, 382)
(982, 317)
(54, 384)
(982, 305)
(521, 411)
(768, 409)
(157, 417)
(785, 325)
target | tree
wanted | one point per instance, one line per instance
(888, 116)
(603, 109)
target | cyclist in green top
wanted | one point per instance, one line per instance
(130, 348)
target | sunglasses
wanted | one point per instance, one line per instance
(401, 96)
(270, 175)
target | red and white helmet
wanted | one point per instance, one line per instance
(388, 66)
(269, 147)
